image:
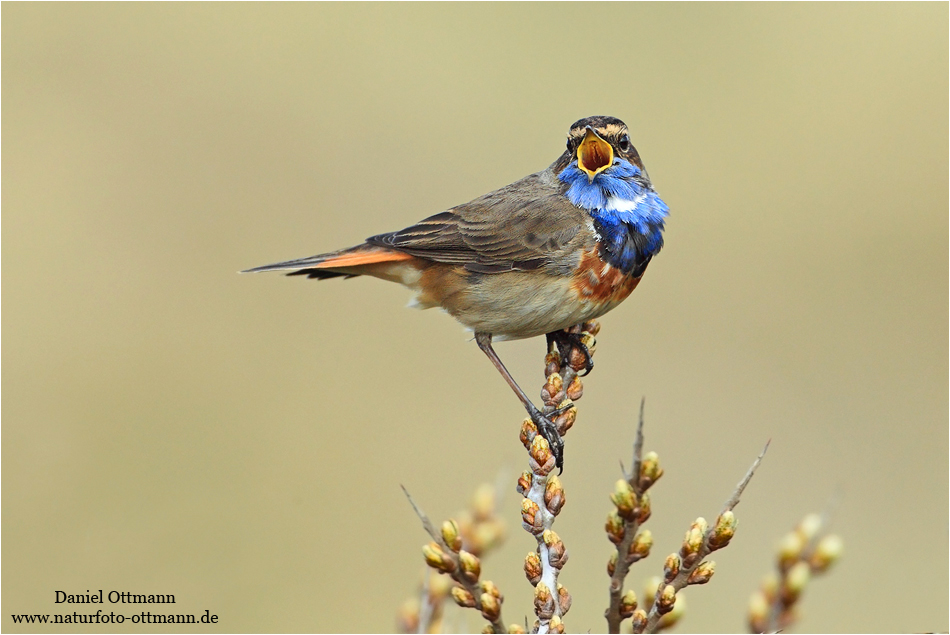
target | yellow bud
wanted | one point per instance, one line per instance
(555, 625)
(810, 526)
(575, 389)
(758, 612)
(528, 432)
(450, 534)
(723, 531)
(489, 587)
(542, 460)
(543, 601)
(693, 541)
(826, 553)
(664, 603)
(790, 550)
(641, 545)
(463, 598)
(564, 599)
(702, 573)
(490, 606)
(795, 581)
(471, 566)
(531, 515)
(671, 567)
(614, 527)
(515, 629)
(644, 514)
(650, 470)
(532, 567)
(483, 501)
(625, 499)
(628, 604)
(612, 564)
(437, 559)
(554, 495)
(639, 620)
(524, 482)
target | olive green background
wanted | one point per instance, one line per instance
(239, 441)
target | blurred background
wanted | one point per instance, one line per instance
(239, 441)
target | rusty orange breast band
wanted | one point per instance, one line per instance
(597, 281)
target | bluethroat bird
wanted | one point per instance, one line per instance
(555, 249)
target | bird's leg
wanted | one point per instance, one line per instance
(547, 429)
(568, 341)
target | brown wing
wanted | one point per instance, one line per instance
(524, 226)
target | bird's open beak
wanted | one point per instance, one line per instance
(594, 155)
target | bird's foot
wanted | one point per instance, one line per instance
(548, 430)
(567, 343)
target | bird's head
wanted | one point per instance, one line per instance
(597, 144)
(601, 165)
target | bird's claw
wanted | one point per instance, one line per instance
(548, 430)
(566, 342)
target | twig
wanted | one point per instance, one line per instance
(623, 526)
(688, 566)
(445, 554)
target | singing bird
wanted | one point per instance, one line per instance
(555, 249)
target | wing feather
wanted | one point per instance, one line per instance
(527, 225)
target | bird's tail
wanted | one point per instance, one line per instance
(347, 263)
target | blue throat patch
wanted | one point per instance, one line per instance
(627, 214)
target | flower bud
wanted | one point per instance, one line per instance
(795, 581)
(643, 514)
(532, 567)
(790, 550)
(437, 558)
(723, 531)
(666, 600)
(641, 545)
(592, 327)
(554, 495)
(826, 553)
(758, 613)
(543, 601)
(639, 620)
(650, 471)
(809, 527)
(470, 565)
(557, 552)
(615, 527)
(628, 604)
(564, 599)
(524, 483)
(491, 607)
(463, 598)
(531, 518)
(541, 459)
(575, 390)
(702, 573)
(671, 567)
(450, 534)
(624, 499)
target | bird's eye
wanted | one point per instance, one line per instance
(569, 149)
(624, 144)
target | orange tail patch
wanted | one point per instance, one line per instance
(356, 258)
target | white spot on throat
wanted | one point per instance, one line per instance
(617, 204)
